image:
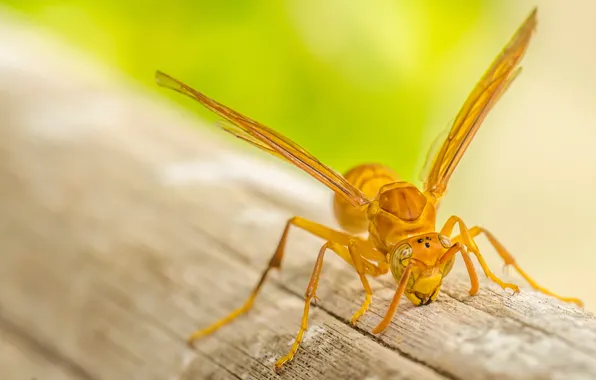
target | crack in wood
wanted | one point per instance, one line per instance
(376, 339)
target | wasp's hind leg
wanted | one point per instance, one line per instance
(273, 263)
(510, 260)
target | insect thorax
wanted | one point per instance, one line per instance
(400, 210)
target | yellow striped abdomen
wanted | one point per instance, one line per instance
(369, 178)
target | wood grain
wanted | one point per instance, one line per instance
(124, 227)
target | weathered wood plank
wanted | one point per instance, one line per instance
(23, 358)
(124, 229)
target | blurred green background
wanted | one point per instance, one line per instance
(350, 81)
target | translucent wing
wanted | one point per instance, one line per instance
(269, 140)
(432, 152)
(440, 138)
(487, 92)
(239, 133)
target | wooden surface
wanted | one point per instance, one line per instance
(124, 228)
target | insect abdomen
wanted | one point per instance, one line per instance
(369, 178)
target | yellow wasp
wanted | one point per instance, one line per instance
(399, 217)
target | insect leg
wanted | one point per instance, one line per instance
(467, 240)
(510, 260)
(311, 293)
(342, 239)
(357, 252)
(403, 281)
(330, 234)
(461, 248)
(353, 250)
(274, 262)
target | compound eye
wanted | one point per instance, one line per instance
(404, 252)
(445, 242)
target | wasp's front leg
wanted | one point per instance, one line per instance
(466, 238)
